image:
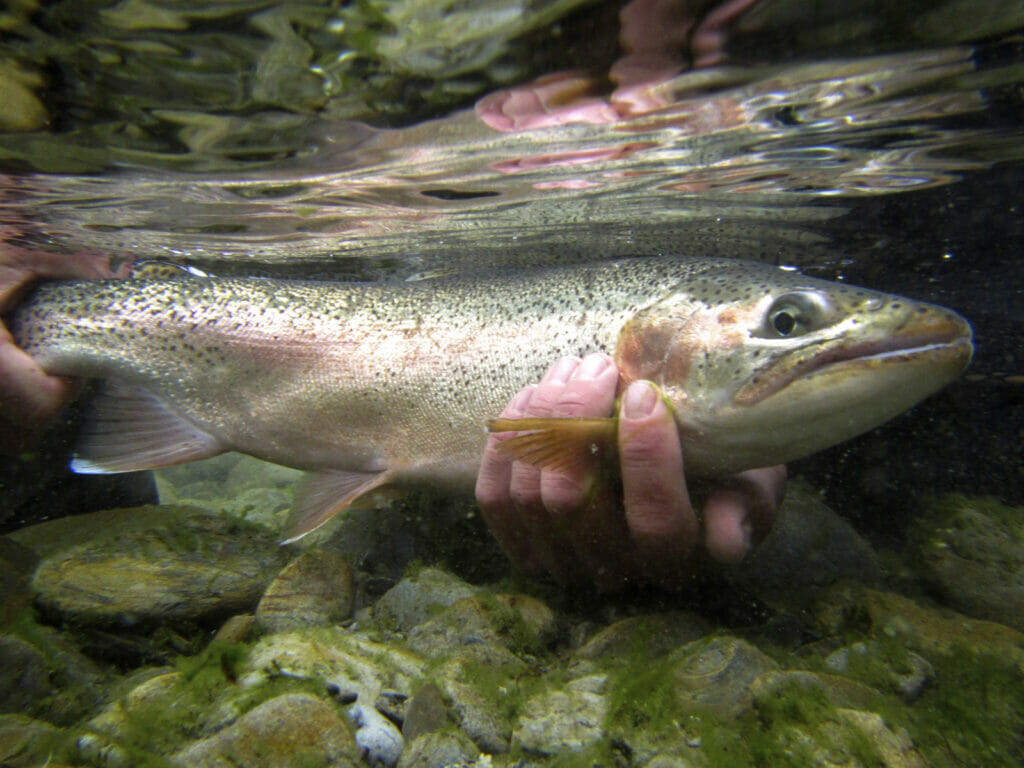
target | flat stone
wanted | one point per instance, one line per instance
(425, 712)
(314, 590)
(282, 732)
(181, 565)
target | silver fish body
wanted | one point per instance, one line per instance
(391, 384)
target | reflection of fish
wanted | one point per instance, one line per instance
(368, 385)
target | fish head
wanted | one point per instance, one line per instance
(762, 365)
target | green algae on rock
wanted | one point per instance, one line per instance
(972, 554)
(164, 564)
(292, 730)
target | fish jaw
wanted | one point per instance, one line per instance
(745, 396)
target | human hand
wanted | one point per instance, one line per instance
(574, 527)
(29, 397)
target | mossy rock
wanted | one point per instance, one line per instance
(163, 564)
(972, 554)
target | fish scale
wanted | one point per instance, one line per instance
(365, 385)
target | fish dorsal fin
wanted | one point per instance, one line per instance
(128, 429)
(559, 444)
(323, 494)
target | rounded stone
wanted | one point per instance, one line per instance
(296, 728)
(417, 598)
(717, 673)
(314, 590)
(184, 565)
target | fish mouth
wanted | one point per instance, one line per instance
(946, 341)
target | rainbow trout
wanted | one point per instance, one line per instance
(371, 385)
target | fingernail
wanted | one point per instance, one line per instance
(639, 400)
(560, 372)
(592, 367)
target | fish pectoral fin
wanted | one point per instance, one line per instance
(559, 444)
(322, 495)
(128, 429)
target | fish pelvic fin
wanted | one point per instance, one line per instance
(322, 495)
(559, 444)
(128, 429)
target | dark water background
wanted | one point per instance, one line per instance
(873, 142)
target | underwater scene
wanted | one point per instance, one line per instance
(511, 383)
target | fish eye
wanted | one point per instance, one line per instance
(784, 321)
(794, 314)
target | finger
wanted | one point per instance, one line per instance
(548, 551)
(492, 490)
(728, 527)
(661, 520)
(589, 391)
(592, 523)
(28, 396)
(21, 266)
(525, 481)
(738, 517)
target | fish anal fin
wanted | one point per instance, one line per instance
(322, 495)
(558, 444)
(128, 429)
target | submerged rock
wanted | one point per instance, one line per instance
(928, 630)
(379, 741)
(314, 590)
(24, 678)
(26, 743)
(425, 713)
(349, 667)
(907, 675)
(438, 750)
(566, 720)
(717, 673)
(418, 597)
(650, 635)
(972, 551)
(289, 730)
(519, 624)
(167, 563)
(809, 545)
